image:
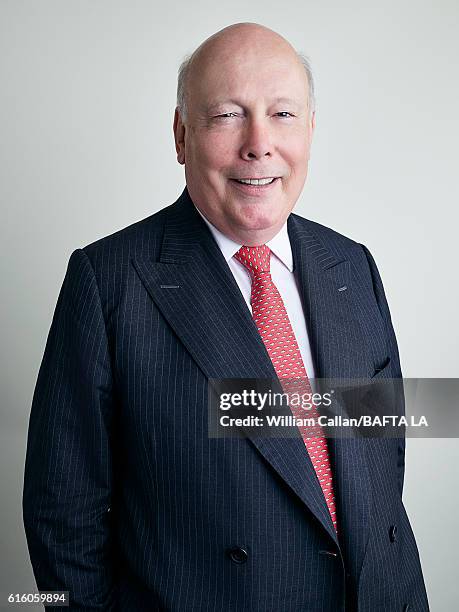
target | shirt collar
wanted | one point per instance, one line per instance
(279, 245)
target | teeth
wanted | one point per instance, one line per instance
(264, 181)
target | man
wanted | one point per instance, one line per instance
(129, 504)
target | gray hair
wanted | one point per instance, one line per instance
(184, 71)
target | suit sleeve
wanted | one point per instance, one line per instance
(392, 349)
(68, 469)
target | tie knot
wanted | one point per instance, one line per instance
(256, 259)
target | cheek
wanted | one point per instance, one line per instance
(297, 156)
(300, 148)
(216, 151)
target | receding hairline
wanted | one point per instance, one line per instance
(255, 31)
(186, 65)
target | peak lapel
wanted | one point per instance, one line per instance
(339, 349)
(197, 294)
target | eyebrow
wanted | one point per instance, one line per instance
(280, 100)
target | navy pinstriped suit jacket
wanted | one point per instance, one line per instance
(127, 502)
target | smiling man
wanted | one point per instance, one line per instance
(129, 503)
(245, 131)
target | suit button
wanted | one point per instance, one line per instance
(237, 554)
(406, 607)
(393, 533)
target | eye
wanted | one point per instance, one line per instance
(226, 115)
(284, 114)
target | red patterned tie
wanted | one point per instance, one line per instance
(272, 320)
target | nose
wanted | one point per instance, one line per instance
(257, 140)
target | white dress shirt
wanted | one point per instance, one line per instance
(283, 278)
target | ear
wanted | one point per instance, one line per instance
(311, 128)
(179, 136)
(313, 122)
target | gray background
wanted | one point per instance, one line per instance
(87, 99)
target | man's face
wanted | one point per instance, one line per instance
(248, 118)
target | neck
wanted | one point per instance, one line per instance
(251, 237)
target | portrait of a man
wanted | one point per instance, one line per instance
(128, 503)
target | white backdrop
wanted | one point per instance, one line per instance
(87, 98)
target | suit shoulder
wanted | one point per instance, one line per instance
(138, 238)
(329, 237)
(110, 257)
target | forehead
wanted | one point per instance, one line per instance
(248, 74)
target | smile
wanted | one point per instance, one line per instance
(255, 187)
(256, 181)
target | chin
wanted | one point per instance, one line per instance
(258, 217)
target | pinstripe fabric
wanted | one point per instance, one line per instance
(127, 502)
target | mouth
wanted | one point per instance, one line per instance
(255, 185)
